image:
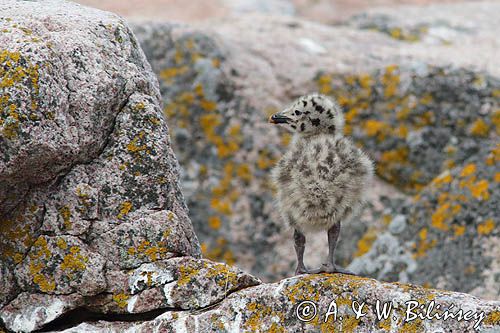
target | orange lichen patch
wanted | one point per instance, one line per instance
(168, 74)
(403, 113)
(218, 272)
(401, 131)
(243, 171)
(303, 289)
(286, 138)
(150, 250)
(65, 213)
(209, 122)
(121, 299)
(486, 227)
(365, 243)
(390, 81)
(221, 206)
(215, 62)
(208, 105)
(443, 213)
(218, 252)
(458, 230)
(16, 72)
(376, 128)
(427, 99)
(324, 83)
(265, 160)
(214, 222)
(468, 170)
(365, 81)
(479, 128)
(61, 243)
(125, 209)
(187, 98)
(495, 119)
(73, 261)
(260, 313)
(39, 255)
(448, 164)
(134, 147)
(390, 161)
(497, 177)
(423, 244)
(480, 190)
(492, 318)
(351, 115)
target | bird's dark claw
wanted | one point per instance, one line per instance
(325, 268)
(301, 270)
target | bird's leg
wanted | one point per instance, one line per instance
(300, 242)
(329, 266)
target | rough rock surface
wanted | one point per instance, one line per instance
(274, 307)
(405, 102)
(451, 224)
(91, 213)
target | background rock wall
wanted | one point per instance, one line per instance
(409, 100)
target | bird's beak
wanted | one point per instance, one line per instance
(278, 118)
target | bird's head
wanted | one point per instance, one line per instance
(310, 115)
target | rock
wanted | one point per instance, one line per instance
(89, 185)
(453, 225)
(274, 307)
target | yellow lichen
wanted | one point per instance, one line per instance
(208, 105)
(493, 318)
(480, 190)
(459, 230)
(153, 251)
(443, 213)
(133, 146)
(486, 227)
(124, 209)
(495, 119)
(121, 299)
(423, 244)
(214, 222)
(223, 207)
(365, 243)
(61, 243)
(468, 170)
(65, 213)
(479, 128)
(243, 171)
(168, 74)
(73, 261)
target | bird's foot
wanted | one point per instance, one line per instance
(301, 270)
(330, 268)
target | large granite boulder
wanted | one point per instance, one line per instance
(91, 213)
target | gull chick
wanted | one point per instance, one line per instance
(322, 178)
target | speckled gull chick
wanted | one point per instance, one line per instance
(322, 178)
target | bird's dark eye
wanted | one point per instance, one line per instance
(298, 113)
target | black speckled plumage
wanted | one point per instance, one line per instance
(322, 178)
